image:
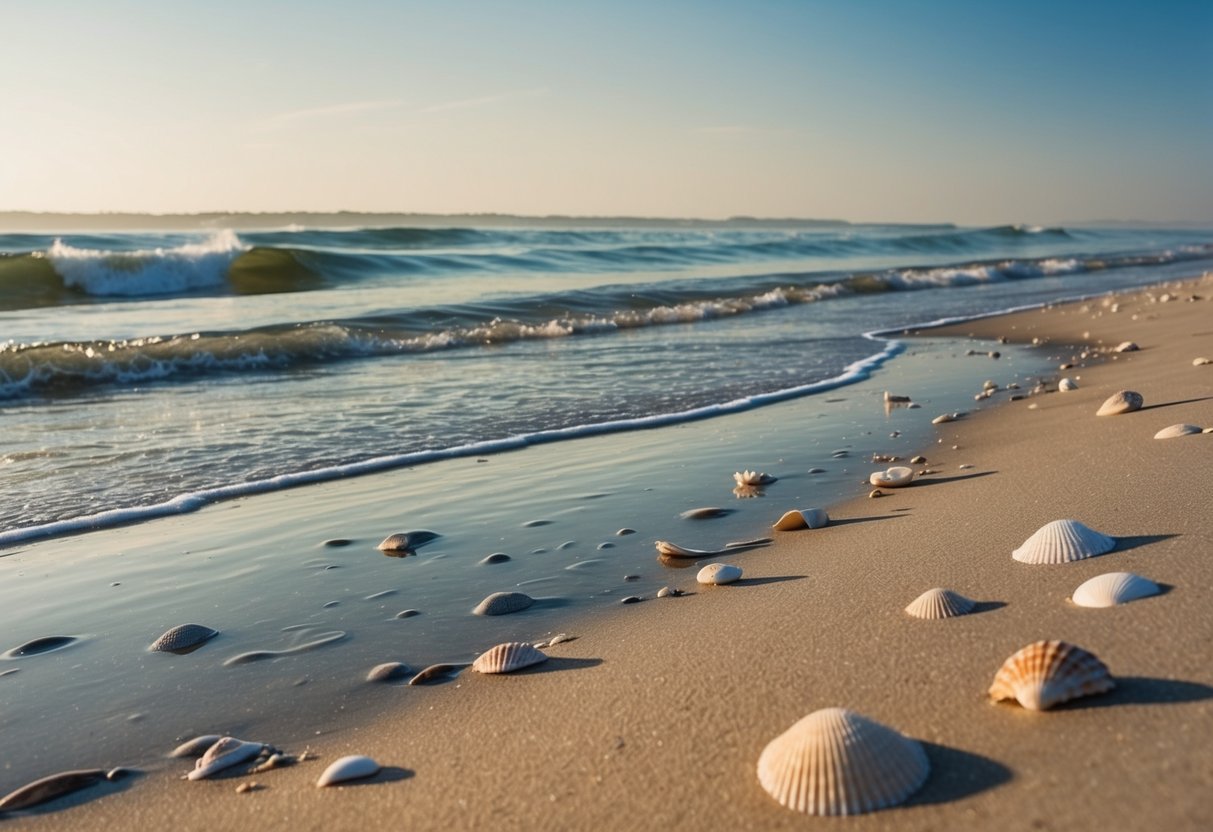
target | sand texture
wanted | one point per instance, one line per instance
(654, 717)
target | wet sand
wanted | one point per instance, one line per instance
(654, 716)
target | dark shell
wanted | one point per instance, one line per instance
(182, 639)
(48, 788)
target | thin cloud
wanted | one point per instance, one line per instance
(467, 103)
(279, 119)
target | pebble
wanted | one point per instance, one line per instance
(503, 603)
(496, 557)
(631, 599)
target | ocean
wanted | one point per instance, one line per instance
(145, 373)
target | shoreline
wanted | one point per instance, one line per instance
(655, 715)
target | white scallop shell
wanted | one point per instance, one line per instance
(1063, 541)
(1122, 401)
(353, 767)
(836, 762)
(508, 657)
(719, 573)
(224, 753)
(1067, 385)
(1047, 673)
(809, 518)
(1112, 588)
(1175, 431)
(940, 603)
(896, 477)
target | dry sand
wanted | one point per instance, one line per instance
(654, 717)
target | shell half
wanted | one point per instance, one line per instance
(809, 518)
(1123, 401)
(719, 573)
(184, 638)
(407, 541)
(940, 603)
(353, 767)
(508, 657)
(225, 753)
(1112, 588)
(1175, 431)
(836, 762)
(1063, 541)
(1047, 673)
(898, 476)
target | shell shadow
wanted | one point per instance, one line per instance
(849, 520)
(774, 579)
(1124, 544)
(1172, 404)
(1142, 690)
(933, 480)
(956, 775)
(986, 606)
(387, 774)
(555, 664)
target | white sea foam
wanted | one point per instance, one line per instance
(145, 272)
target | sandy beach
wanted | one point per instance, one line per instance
(654, 716)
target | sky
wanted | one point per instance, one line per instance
(969, 112)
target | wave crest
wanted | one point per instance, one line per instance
(146, 272)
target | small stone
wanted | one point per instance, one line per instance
(918, 460)
(407, 613)
(718, 573)
(504, 603)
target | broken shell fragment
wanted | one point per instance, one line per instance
(940, 603)
(1123, 401)
(836, 762)
(1047, 673)
(508, 657)
(1175, 431)
(1063, 541)
(718, 573)
(1112, 588)
(898, 476)
(809, 518)
(353, 767)
(436, 671)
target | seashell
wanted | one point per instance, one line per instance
(387, 672)
(718, 573)
(276, 760)
(898, 476)
(1063, 541)
(407, 613)
(508, 657)
(49, 788)
(436, 670)
(117, 773)
(705, 513)
(668, 592)
(893, 399)
(836, 762)
(939, 603)
(1112, 588)
(1067, 385)
(943, 417)
(496, 557)
(353, 767)
(631, 599)
(918, 460)
(1200, 362)
(809, 518)
(752, 478)
(225, 753)
(503, 603)
(874, 493)
(182, 639)
(560, 638)
(1177, 430)
(1047, 673)
(407, 541)
(1124, 401)
(195, 747)
(625, 531)
(1127, 346)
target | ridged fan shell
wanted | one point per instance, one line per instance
(353, 767)
(809, 518)
(1047, 673)
(183, 638)
(940, 603)
(1175, 431)
(895, 477)
(1123, 401)
(836, 762)
(508, 657)
(1063, 541)
(1112, 588)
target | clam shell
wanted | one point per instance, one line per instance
(940, 603)
(673, 550)
(1112, 588)
(808, 518)
(353, 767)
(504, 603)
(387, 672)
(1063, 541)
(195, 747)
(1047, 673)
(407, 541)
(508, 657)
(836, 762)
(1067, 385)
(1123, 401)
(1127, 346)
(225, 753)
(1175, 431)
(183, 639)
(896, 477)
(719, 573)
(48, 788)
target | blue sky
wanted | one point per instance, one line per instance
(968, 112)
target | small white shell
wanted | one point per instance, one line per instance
(673, 550)
(1127, 346)
(1200, 362)
(1122, 401)
(1063, 541)
(808, 518)
(1112, 588)
(504, 603)
(896, 477)
(508, 657)
(1047, 673)
(225, 753)
(836, 762)
(939, 603)
(719, 573)
(1175, 431)
(353, 767)
(1067, 385)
